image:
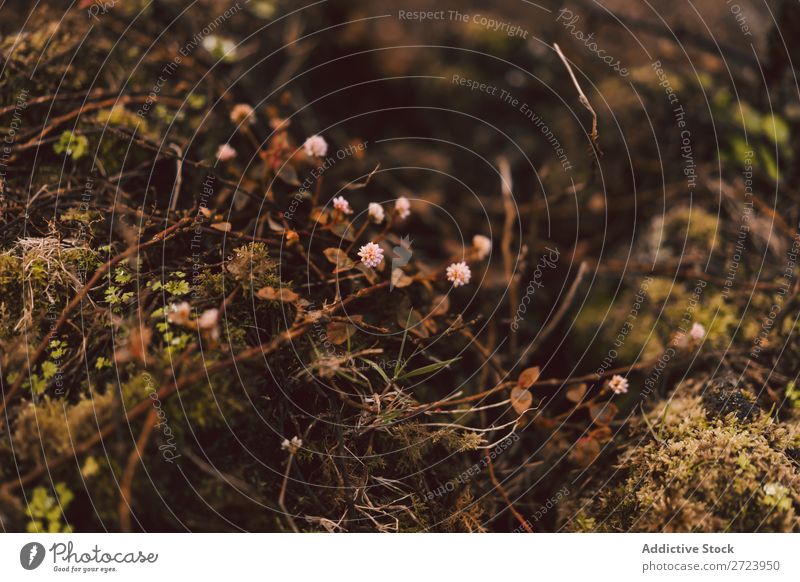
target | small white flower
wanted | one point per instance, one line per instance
(371, 254)
(403, 207)
(375, 212)
(209, 319)
(775, 490)
(242, 113)
(618, 384)
(315, 146)
(220, 48)
(292, 445)
(482, 244)
(458, 274)
(179, 313)
(697, 332)
(225, 152)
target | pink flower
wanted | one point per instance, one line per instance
(375, 212)
(225, 152)
(209, 319)
(342, 205)
(242, 113)
(179, 313)
(403, 207)
(697, 332)
(315, 146)
(482, 244)
(618, 384)
(371, 254)
(459, 274)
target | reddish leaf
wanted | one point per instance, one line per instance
(585, 451)
(576, 393)
(603, 412)
(528, 377)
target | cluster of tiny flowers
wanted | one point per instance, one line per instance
(225, 152)
(342, 205)
(242, 113)
(371, 254)
(697, 332)
(403, 207)
(483, 245)
(292, 445)
(315, 146)
(375, 212)
(458, 274)
(618, 384)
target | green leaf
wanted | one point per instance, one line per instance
(429, 368)
(378, 369)
(73, 145)
(49, 369)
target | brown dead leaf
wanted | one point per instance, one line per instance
(284, 295)
(521, 399)
(339, 332)
(400, 279)
(440, 305)
(222, 226)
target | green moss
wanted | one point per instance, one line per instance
(252, 266)
(10, 271)
(46, 429)
(691, 467)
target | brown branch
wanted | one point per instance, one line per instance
(508, 258)
(282, 495)
(126, 496)
(581, 97)
(562, 310)
(56, 121)
(504, 494)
